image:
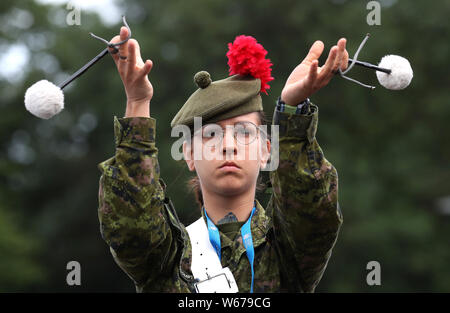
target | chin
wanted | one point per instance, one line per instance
(229, 185)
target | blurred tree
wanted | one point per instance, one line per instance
(18, 267)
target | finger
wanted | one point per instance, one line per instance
(123, 49)
(340, 55)
(148, 65)
(137, 52)
(131, 60)
(112, 52)
(325, 70)
(134, 55)
(315, 51)
(344, 63)
(312, 75)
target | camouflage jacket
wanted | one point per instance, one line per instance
(293, 236)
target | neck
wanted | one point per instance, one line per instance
(217, 206)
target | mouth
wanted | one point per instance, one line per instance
(229, 166)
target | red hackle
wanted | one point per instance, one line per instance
(247, 57)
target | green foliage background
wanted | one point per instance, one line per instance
(391, 148)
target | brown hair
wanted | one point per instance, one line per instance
(193, 183)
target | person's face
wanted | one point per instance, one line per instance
(236, 140)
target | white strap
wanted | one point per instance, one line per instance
(205, 262)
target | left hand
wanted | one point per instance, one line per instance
(307, 78)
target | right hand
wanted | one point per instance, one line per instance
(133, 72)
(307, 78)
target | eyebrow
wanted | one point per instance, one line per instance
(232, 124)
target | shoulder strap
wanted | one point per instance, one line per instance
(205, 262)
(204, 257)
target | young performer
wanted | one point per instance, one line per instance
(236, 245)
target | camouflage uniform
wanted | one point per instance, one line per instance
(293, 236)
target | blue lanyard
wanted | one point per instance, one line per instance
(247, 239)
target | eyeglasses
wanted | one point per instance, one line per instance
(244, 132)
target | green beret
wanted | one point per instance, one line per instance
(219, 100)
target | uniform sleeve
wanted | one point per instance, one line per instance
(131, 211)
(306, 215)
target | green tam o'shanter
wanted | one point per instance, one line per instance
(235, 95)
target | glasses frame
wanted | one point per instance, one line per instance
(223, 131)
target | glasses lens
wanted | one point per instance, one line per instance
(212, 134)
(245, 132)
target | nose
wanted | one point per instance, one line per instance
(229, 143)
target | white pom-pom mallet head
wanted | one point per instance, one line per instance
(393, 72)
(44, 99)
(401, 72)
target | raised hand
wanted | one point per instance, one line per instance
(307, 78)
(134, 74)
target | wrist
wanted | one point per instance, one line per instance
(138, 108)
(291, 97)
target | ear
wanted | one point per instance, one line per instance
(265, 153)
(188, 155)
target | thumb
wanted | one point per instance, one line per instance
(315, 51)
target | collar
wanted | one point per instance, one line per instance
(259, 226)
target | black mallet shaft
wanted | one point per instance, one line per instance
(83, 69)
(371, 66)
